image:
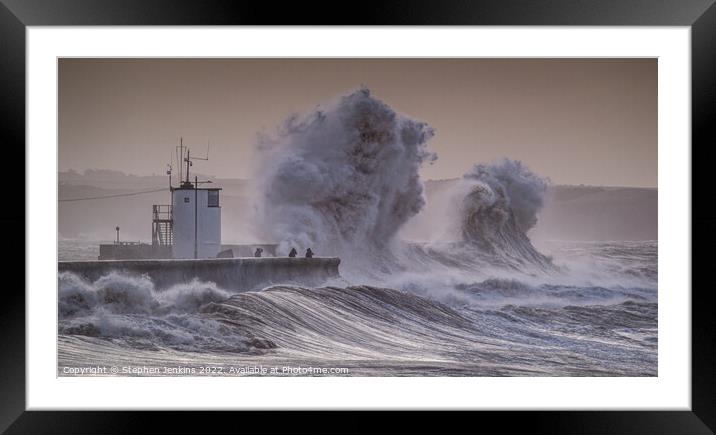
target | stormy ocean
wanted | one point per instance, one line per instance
(475, 298)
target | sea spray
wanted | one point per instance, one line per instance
(343, 178)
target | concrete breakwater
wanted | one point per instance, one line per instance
(237, 274)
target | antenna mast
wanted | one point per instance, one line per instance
(180, 158)
(186, 158)
(188, 163)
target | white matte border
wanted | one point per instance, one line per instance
(671, 389)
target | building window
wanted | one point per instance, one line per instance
(186, 199)
(213, 198)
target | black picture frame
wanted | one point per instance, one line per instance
(700, 15)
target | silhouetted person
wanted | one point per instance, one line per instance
(309, 253)
(292, 253)
(258, 252)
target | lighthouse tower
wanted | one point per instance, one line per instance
(195, 216)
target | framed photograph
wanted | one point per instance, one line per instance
(473, 207)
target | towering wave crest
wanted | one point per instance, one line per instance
(481, 229)
(518, 189)
(342, 178)
(499, 204)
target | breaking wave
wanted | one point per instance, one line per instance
(128, 294)
(499, 205)
(130, 311)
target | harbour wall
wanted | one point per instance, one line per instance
(235, 274)
(139, 251)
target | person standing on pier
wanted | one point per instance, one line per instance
(293, 253)
(309, 253)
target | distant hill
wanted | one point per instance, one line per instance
(599, 213)
(112, 180)
(570, 213)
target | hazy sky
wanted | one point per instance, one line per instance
(576, 121)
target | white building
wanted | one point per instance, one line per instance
(196, 222)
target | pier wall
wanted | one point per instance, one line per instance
(235, 274)
(139, 251)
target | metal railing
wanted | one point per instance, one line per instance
(161, 212)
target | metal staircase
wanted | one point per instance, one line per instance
(162, 229)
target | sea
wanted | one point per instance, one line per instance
(593, 314)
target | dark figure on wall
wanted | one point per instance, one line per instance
(309, 253)
(292, 253)
(258, 252)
